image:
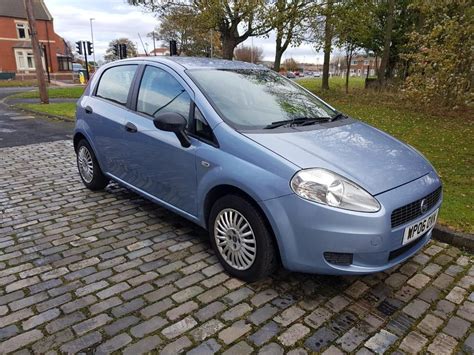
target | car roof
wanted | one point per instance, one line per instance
(202, 62)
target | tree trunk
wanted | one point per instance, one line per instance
(278, 54)
(36, 52)
(277, 64)
(327, 46)
(348, 70)
(228, 46)
(387, 43)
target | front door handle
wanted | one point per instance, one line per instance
(130, 127)
(88, 109)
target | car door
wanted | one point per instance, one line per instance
(105, 112)
(156, 162)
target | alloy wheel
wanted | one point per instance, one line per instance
(85, 163)
(235, 239)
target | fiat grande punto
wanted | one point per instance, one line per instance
(275, 174)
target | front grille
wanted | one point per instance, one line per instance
(413, 210)
(344, 259)
(397, 252)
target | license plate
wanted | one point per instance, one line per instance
(419, 228)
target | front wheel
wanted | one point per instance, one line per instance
(88, 167)
(241, 239)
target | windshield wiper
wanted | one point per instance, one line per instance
(337, 116)
(302, 121)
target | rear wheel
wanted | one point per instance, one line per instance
(88, 167)
(241, 239)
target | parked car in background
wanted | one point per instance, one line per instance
(77, 67)
(274, 173)
(317, 74)
(290, 75)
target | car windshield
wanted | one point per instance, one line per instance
(254, 99)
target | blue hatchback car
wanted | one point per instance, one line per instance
(274, 174)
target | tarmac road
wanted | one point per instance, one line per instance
(20, 128)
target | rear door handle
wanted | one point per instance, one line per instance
(130, 127)
(88, 109)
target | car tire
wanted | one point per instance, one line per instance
(235, 227)
(89, 169)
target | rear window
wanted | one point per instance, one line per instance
(115, 83)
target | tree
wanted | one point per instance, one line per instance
(289, 20)
(442, 54)
(110, 55)
(235, 21)
(192, 37)
(249, 54)
(387, 42)
(290, 64)
(352, 30)
(322, 28)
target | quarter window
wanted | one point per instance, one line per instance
(160, 92)
(115, 83)
(200, 127)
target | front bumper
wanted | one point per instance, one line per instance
(305, 231)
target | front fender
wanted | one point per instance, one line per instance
(243, 164)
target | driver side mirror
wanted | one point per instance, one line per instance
(173, 122)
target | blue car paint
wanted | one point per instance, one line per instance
(262, 165)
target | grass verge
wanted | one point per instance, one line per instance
(17, 83)
(444, 137)
(65, 110)
(73, 92)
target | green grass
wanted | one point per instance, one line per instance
(16, 83)
(444, 137)
(73, 92)
(336, 84)
(64, 109)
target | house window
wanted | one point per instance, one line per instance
(64, 63)
(354, 62)
(366, 62)
(25, 60)
(22, 31)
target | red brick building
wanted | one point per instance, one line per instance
(16, 53)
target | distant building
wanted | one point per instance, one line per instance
(16, 53)
(160, 51)
(360, 65)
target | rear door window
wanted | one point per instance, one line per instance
(115, 83)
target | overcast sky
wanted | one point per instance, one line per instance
(115, 19)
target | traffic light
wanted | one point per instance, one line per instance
(123, 51)
(173, 48)
(90, 49)
(79, 47)
(116, 50)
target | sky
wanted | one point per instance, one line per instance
(115, 18)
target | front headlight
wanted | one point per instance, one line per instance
(328, 188)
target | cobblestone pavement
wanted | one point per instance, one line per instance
(110, 271)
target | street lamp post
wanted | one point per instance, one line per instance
(93, 46)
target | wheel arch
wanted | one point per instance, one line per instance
(77, 138)
(222, 190)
